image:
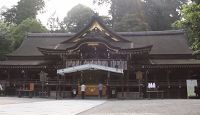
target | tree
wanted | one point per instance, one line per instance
(28, 25)
(127, 15)
(131, 22)
(78, 17)
(100, 2)
(24, 15)
(107, 21)
(160, 14)
(196, 1)
(10, 15)
(152, 14)
(23, 10)
(55, 24)
(190, 21)
(5, 41)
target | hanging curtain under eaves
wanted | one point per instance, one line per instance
(88, 67)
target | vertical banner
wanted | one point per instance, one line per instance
(190, 87)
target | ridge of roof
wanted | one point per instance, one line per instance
(139, 33)
(90, 23)
(147, 33)
(49, 34)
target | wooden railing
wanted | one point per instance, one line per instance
(116, 63)
(124, 83)
(112, 83)
(172, 83)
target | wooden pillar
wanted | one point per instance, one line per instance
(57, 86)
(146, 83)
(127, 82)
(139, 77)
(63, 58)
(179, 89)
(27, 75)
(108, 85)
(123, 86)
(108, 76)
(168, 83)
(8, 75)
(139, 87)
(128, 71)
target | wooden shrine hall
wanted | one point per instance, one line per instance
(155, 64)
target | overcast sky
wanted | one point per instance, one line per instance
(59, 7)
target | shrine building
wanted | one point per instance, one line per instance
(134, 65)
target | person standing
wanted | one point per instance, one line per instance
(83, 88)
(100, 87)
(73, 92)
(1, 89)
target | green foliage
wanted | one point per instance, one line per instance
(28, 9)
(107, 21)
(160, 14)
(100, 2)
(78, 17)
(190, 20)
(23, 14)
(149, 14)
(28, 25)
(196, 1)
(55, 25)
(128, 15)
(130, 23)
(10, 15)
(23, 10)
(5, 41)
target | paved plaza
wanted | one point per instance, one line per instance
(147, 107)
(40, 106)
(37, 106)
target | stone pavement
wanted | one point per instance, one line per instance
(147, 107)
(40, 106)
(37, 106)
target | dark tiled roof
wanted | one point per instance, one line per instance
(97, 19)
(164, 42)
(30, 44)
(50, 34)
(70, 45)
(174, 61)
(23, 62)
(148, 33)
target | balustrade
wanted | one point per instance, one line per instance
(122, 64)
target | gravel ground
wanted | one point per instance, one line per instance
(147, 107)
(16, 100)
(39, 106)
